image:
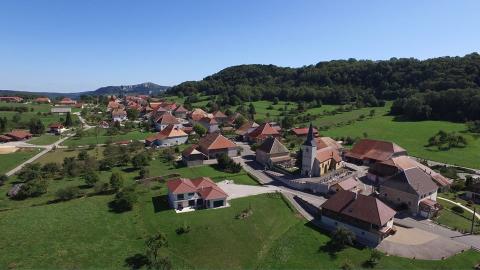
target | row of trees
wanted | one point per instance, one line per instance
(339, 82)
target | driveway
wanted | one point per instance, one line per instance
(238, 191)
(419, 244)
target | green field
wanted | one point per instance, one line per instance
(44, 139)
(10, 161)
(458, 221)
(91, 138)
(83, 233)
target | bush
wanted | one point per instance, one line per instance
(90, 178)
(101, 187)
(116, 181)
(144, 173)
(68, 193)
(124, 200)
(183, 229)
(225, 163)
(458, 209)
(3, 179)
(33, 188)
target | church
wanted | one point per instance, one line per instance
(320, 155)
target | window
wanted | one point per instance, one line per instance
(191, 194)
(180, 196)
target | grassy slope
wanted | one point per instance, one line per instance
(10, 161)
(462, 222)
(90, 138)
(44, 139)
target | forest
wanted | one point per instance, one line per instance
(438, 88)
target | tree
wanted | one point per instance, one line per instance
(375, 257)
(50, 169)
(83, 155)
(342, 237)
(3, 179)
(251, 110)
(199, 129)
(3, 124)
(68, 120)
(33, 188)
(140, 160)
(144, 173)
(90, 177)
(225, 163)
(124, 200)
(275, 100)
(116, 181)
(70, 166)
(36, 126)
(68, 193)
(132, 114)
(30, 172)
(153, 247)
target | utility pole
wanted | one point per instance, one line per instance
(473, 220)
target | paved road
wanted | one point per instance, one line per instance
(433, 163)
(426, 225)
(47, 148)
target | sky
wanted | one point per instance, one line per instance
(72, 46)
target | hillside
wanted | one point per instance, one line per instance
(340, 81)
(139, 89)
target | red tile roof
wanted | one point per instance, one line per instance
(197, 114)
(219, 114)
(180, 186)
(360, 207)
(19, 134)
(215, 141)
(168, 132)
(181, 109)
(374, 149)
(264, 130)
(303, 131)
(55, 125)
(204, 186)
(167, 119)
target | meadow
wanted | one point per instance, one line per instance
(10, 161)
(90, 137)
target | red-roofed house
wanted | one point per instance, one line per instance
(196, 115)
(67, 102)
(180, 112)
(202, 192)
(19, 135)
(168, 136)
(209, 147)
(11, 99)
(165, 120)
(367, 217)
(56, 128)
(302, 132)
(210, 124)
(43, 100)
(369, 151)
(262, 132)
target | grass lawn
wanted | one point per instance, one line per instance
(10, 161)
(44, 139)
(458, 221)
(412, 136)
(36, 107)
(90, 138)
(83, 233)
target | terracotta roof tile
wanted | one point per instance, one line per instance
(214, 141)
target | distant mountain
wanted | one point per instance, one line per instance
(136, 89)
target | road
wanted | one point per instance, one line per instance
(46, 149)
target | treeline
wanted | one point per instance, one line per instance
(453, 105)
(340, 81)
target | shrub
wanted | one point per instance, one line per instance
(458, 209)
(124, 200)
(144, 173)
(116, 181)
(90, 178)
(225, 163)
(33, 188)
(101, 187)
(68, 193)
(3, 179)
(183, 229)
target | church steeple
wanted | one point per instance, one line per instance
(310, 137)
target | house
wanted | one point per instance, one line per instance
(42, 100)
(11, 99)
(119, 115)
(18, 135)
(67, 102)
(196, 115)
(61, 110)
(367, 217)
(114, 105)
(349, 184)
(272, 152)
(367, 151)
(319, 156)
(303, 132)
(380, 171)
(473, 192)
(412, 189)
(56, 128)
(202, 192)
(180, 112)
(168, 136)
(210, 124)
(244, 129)
(211, 146)
(262, 132)
(166, 119)
(220, 117)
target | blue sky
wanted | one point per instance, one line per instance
(70, 46)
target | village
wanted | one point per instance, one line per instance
(372, 189)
